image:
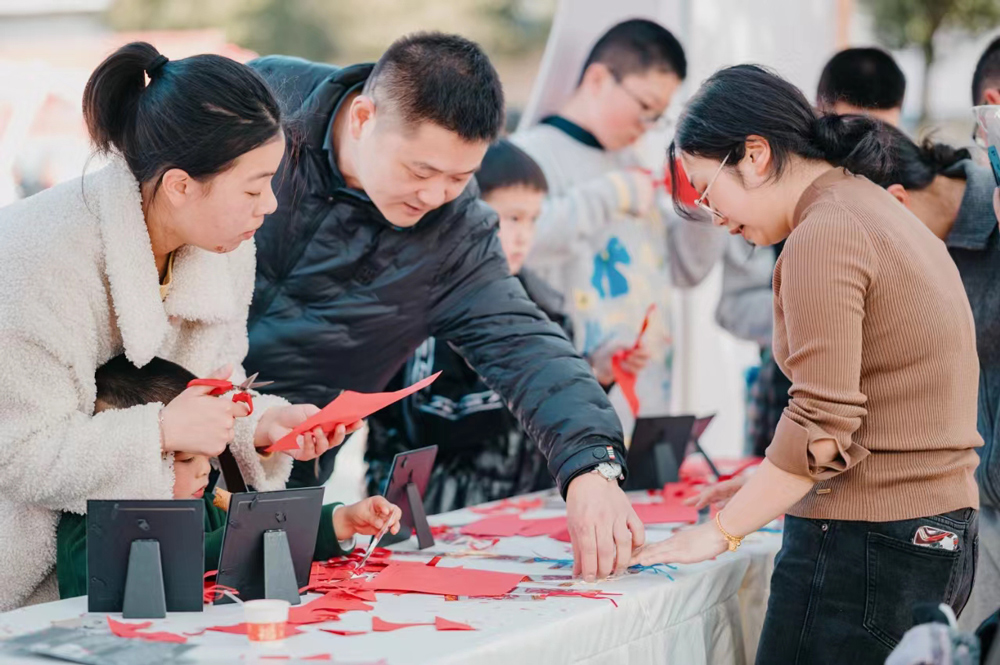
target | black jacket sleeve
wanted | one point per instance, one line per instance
(522, 355)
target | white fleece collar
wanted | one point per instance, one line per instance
(201, 287)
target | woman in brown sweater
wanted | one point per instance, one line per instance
(873, 459)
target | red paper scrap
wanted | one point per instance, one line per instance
(504, 526)
(520, 505)
(135, 631)
(319, 656)
(667, 512)
(344, 633)
(380, 626)
(241, 629)
(443, 581)
(325, 608)
(445, 624)
(624, 378)
(349, 407)
(595, 594)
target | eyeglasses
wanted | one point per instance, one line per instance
(700, 201)
(658, 121)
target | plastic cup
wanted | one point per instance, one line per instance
(266, 619)
(988, 121)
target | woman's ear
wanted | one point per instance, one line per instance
(900, 194)
(178, 187)
(756, 162)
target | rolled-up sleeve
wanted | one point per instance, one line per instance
(822, 281)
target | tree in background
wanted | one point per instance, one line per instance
(904, 23)
(326, 30)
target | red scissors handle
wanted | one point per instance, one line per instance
(221, 387)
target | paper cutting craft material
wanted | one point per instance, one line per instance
(624, 378)
(344, 633)
(349, 407)
(244, 629)
(326, 608)
(443, 581)
(137, 631)
(445, 624)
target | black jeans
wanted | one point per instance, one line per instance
(844, 592)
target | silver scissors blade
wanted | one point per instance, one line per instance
(372, 545)
(252, 383)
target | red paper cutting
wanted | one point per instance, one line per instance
(347, 408)
(241, 629)
(445, 624)
(519, 505)
(344, 633)
(665, 513)
(380, 626)
(319, 656)
(134, 630)
(326, 608)
(624, 378)
(444, 581)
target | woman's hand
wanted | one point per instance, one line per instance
(366, 518)
(719, 493)
(199, 423)
(699, 543)
(278, 421)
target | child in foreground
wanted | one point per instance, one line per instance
(121, 385)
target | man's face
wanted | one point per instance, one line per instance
(408, 171)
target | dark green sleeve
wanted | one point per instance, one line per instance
(327, 545)
(215, 531)
(71, 555)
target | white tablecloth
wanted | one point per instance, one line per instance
(709, 613)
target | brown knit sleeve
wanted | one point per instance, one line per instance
(821, 282)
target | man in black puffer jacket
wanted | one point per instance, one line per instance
(380, 242)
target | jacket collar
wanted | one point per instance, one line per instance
(202, 288)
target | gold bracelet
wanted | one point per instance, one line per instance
(732, 541)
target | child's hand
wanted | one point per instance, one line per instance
(366, 518)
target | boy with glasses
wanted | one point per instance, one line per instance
(605, 239)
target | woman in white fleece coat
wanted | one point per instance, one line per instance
(81, 268)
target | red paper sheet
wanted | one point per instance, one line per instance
(505, 526)
(347, 408)
(444, 581)
(326, 608)
(344, 633)
(665, 513)
(444, 624)
(134, 630)
(241, 629)
(506, 505)
(319, 656)
(624, 378)
(380, 626)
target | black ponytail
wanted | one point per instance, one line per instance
(198, 114)
(748, 100)
(914, 166)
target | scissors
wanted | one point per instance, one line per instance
(371, 546)
(221, 387)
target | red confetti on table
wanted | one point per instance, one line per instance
(135, 631)
(380, 626)
(344, 633)
(445, 624)
(443, 581)
(326, 608)
(241, 629)
(349, 407)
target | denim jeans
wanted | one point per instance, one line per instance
(844, 592)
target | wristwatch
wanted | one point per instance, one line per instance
(610, 470)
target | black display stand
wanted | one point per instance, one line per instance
(279, 573)
(408, 478)
(144, 595)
